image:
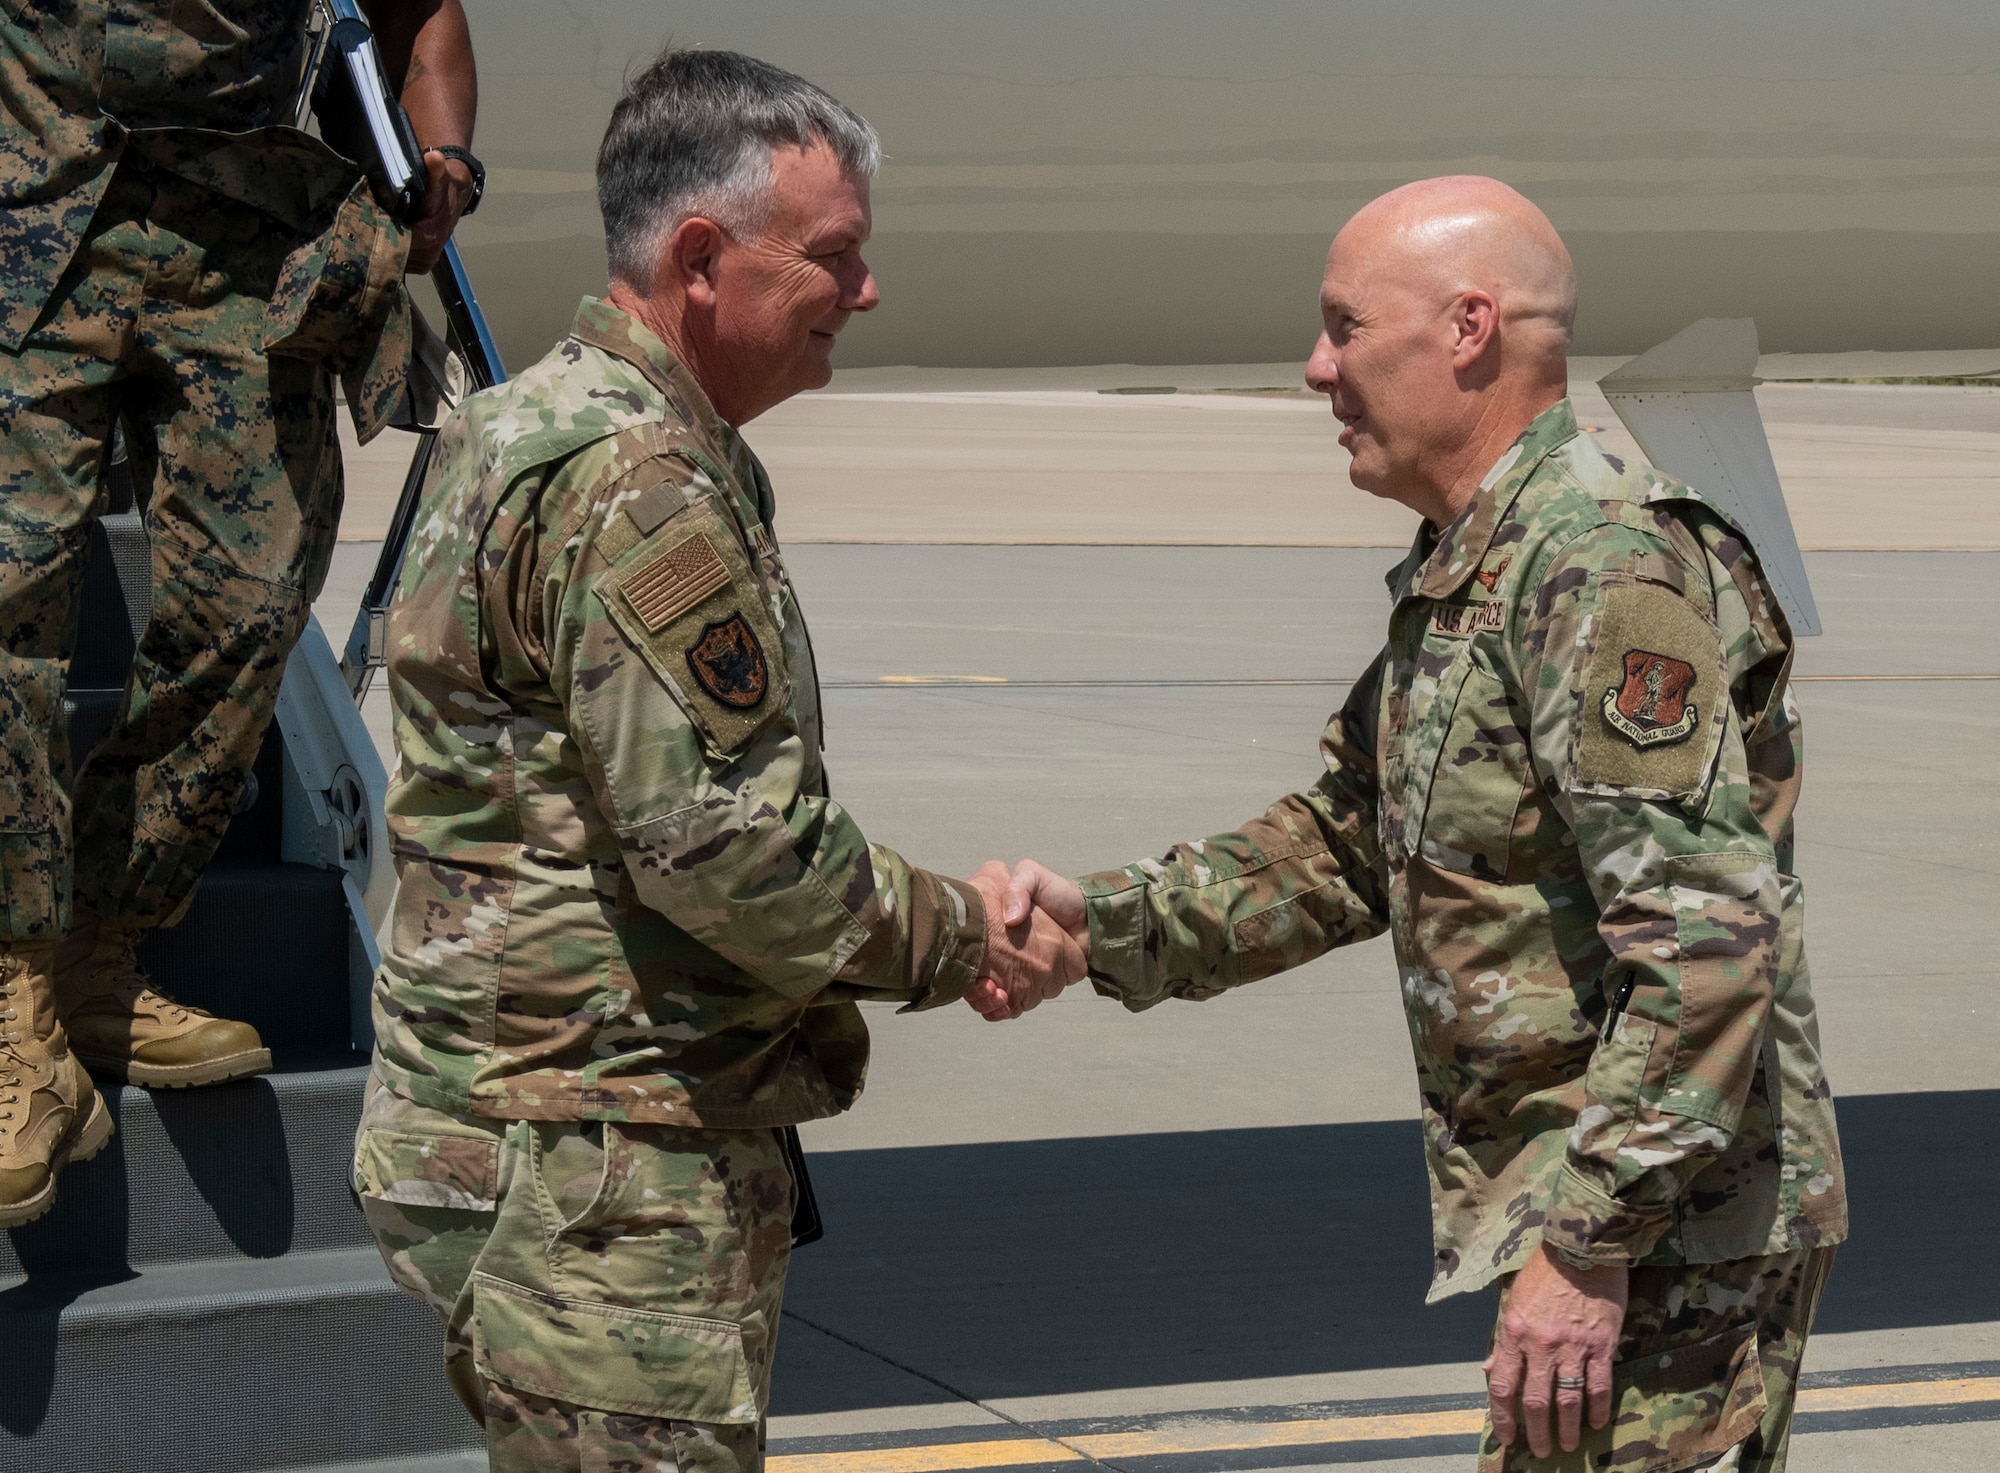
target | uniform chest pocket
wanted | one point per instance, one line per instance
(1467, 772)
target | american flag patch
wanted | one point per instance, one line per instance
(662, 590)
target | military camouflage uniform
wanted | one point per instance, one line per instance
(174, 262)
(631, 930)
(1566, 789)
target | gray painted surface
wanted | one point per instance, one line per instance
(1094, 181)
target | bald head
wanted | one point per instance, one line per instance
(1448, 305)
(1444, 237)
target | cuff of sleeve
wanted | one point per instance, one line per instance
(1587, 1227)
(1115, 901)
(947, 939)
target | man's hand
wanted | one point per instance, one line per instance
(1030, 957)
(449, 193)
(1558, 1325)
(427, 48)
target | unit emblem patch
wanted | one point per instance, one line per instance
(728, 663)
(1650, 708)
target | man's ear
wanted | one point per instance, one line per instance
(1475, 325)
(691, 255)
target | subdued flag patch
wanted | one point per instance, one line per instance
(669, 585)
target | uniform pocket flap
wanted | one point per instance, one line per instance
(1684, 1406)
(426, 1170)
(611, 1358)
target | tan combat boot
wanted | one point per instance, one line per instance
(122, 1027)
(50, 1114)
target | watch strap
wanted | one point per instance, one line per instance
(464, 156)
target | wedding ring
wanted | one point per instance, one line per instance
(1570, 1383)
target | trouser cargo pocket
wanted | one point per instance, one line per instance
(637, 1361)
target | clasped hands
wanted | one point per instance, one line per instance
(1037, 938)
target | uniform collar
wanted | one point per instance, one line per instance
(622, 335)
(1442, 561)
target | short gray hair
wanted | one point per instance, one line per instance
(693, 135)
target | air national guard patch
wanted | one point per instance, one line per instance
(1650, 708)
(728, 663)
(1654, 697)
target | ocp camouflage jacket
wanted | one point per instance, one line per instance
(1566, 788)
(623, 896)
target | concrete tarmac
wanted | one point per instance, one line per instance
(1197, 1238)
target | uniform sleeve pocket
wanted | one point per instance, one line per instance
(636, 1361)
(1681, 1407)
(426, 1170)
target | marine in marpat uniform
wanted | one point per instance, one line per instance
(632, 928)
(175, 259)
(1565, 788)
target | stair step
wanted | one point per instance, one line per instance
(227, 1367)
(266, 944)
(470, 1461)
(247, 1170)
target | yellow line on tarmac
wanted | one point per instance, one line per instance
(945, 1458)
(1899, 1394)
(1015, 1452)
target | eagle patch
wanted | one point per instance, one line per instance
(727, 661)
(1650, 707)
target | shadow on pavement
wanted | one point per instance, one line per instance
(1042, 1267)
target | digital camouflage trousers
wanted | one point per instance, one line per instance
(159, 324)
(610, 1292)
(1707, 1372)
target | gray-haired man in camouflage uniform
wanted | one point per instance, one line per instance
(177, 258)
(632, 928)
(1566, 788)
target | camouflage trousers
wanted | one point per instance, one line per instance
(158, 324)
(610, 1292)
(1707, 1372)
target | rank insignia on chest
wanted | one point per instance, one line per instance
(1650, 707)
(728, 663)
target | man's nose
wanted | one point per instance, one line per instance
(867, 297)
(1323, 368)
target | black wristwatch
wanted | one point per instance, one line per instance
(464, 156)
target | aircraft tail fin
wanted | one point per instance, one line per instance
(1688, 402)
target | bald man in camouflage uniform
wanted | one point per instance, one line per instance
(1565, 787)
(174, 258)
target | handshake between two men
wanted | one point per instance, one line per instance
(1037, 939)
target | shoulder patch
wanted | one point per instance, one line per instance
(1655, 698)
(666, 586)
(690, 602)
(728, 663)
(1654, 705)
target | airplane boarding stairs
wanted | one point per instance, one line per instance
(205, 1296)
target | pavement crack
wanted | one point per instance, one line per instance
(945, 1386)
